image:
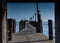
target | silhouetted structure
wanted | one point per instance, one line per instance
(33, 23)
(3, 21)
(10, 27)
(39, 22)
(21, 25)
(50, 29)
(14, 25)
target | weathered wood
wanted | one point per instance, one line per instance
(14, 26)
(28, 36)
(50, 29)
(21, 25)
(3, 21)
(10, 28)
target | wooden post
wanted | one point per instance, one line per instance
(3, 21)
(14, 25)
(50, 28)
(10, 27)
(39, 23)
(21, 25)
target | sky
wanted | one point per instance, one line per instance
(20, 11)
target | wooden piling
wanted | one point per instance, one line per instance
(14, 26)
(39, 21)
(21, 25)
(50, 28)
(3, 21)
(10, 27)
(39, 25)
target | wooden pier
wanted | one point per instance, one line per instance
(29, 35)
(32, 31)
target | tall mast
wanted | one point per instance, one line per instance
(39, 22)
(38, 15)
(37, 8)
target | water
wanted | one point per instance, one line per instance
(17, 26)
(45, 30)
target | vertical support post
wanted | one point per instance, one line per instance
(24, 23)
(10, 27)
(41, 26)
(3, 21)
(50, 26)
(14, 25)
(21, 25)
(57, 23)
(39, 23)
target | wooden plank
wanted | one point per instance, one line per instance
(31, 38)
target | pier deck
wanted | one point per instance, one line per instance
(29, 36)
